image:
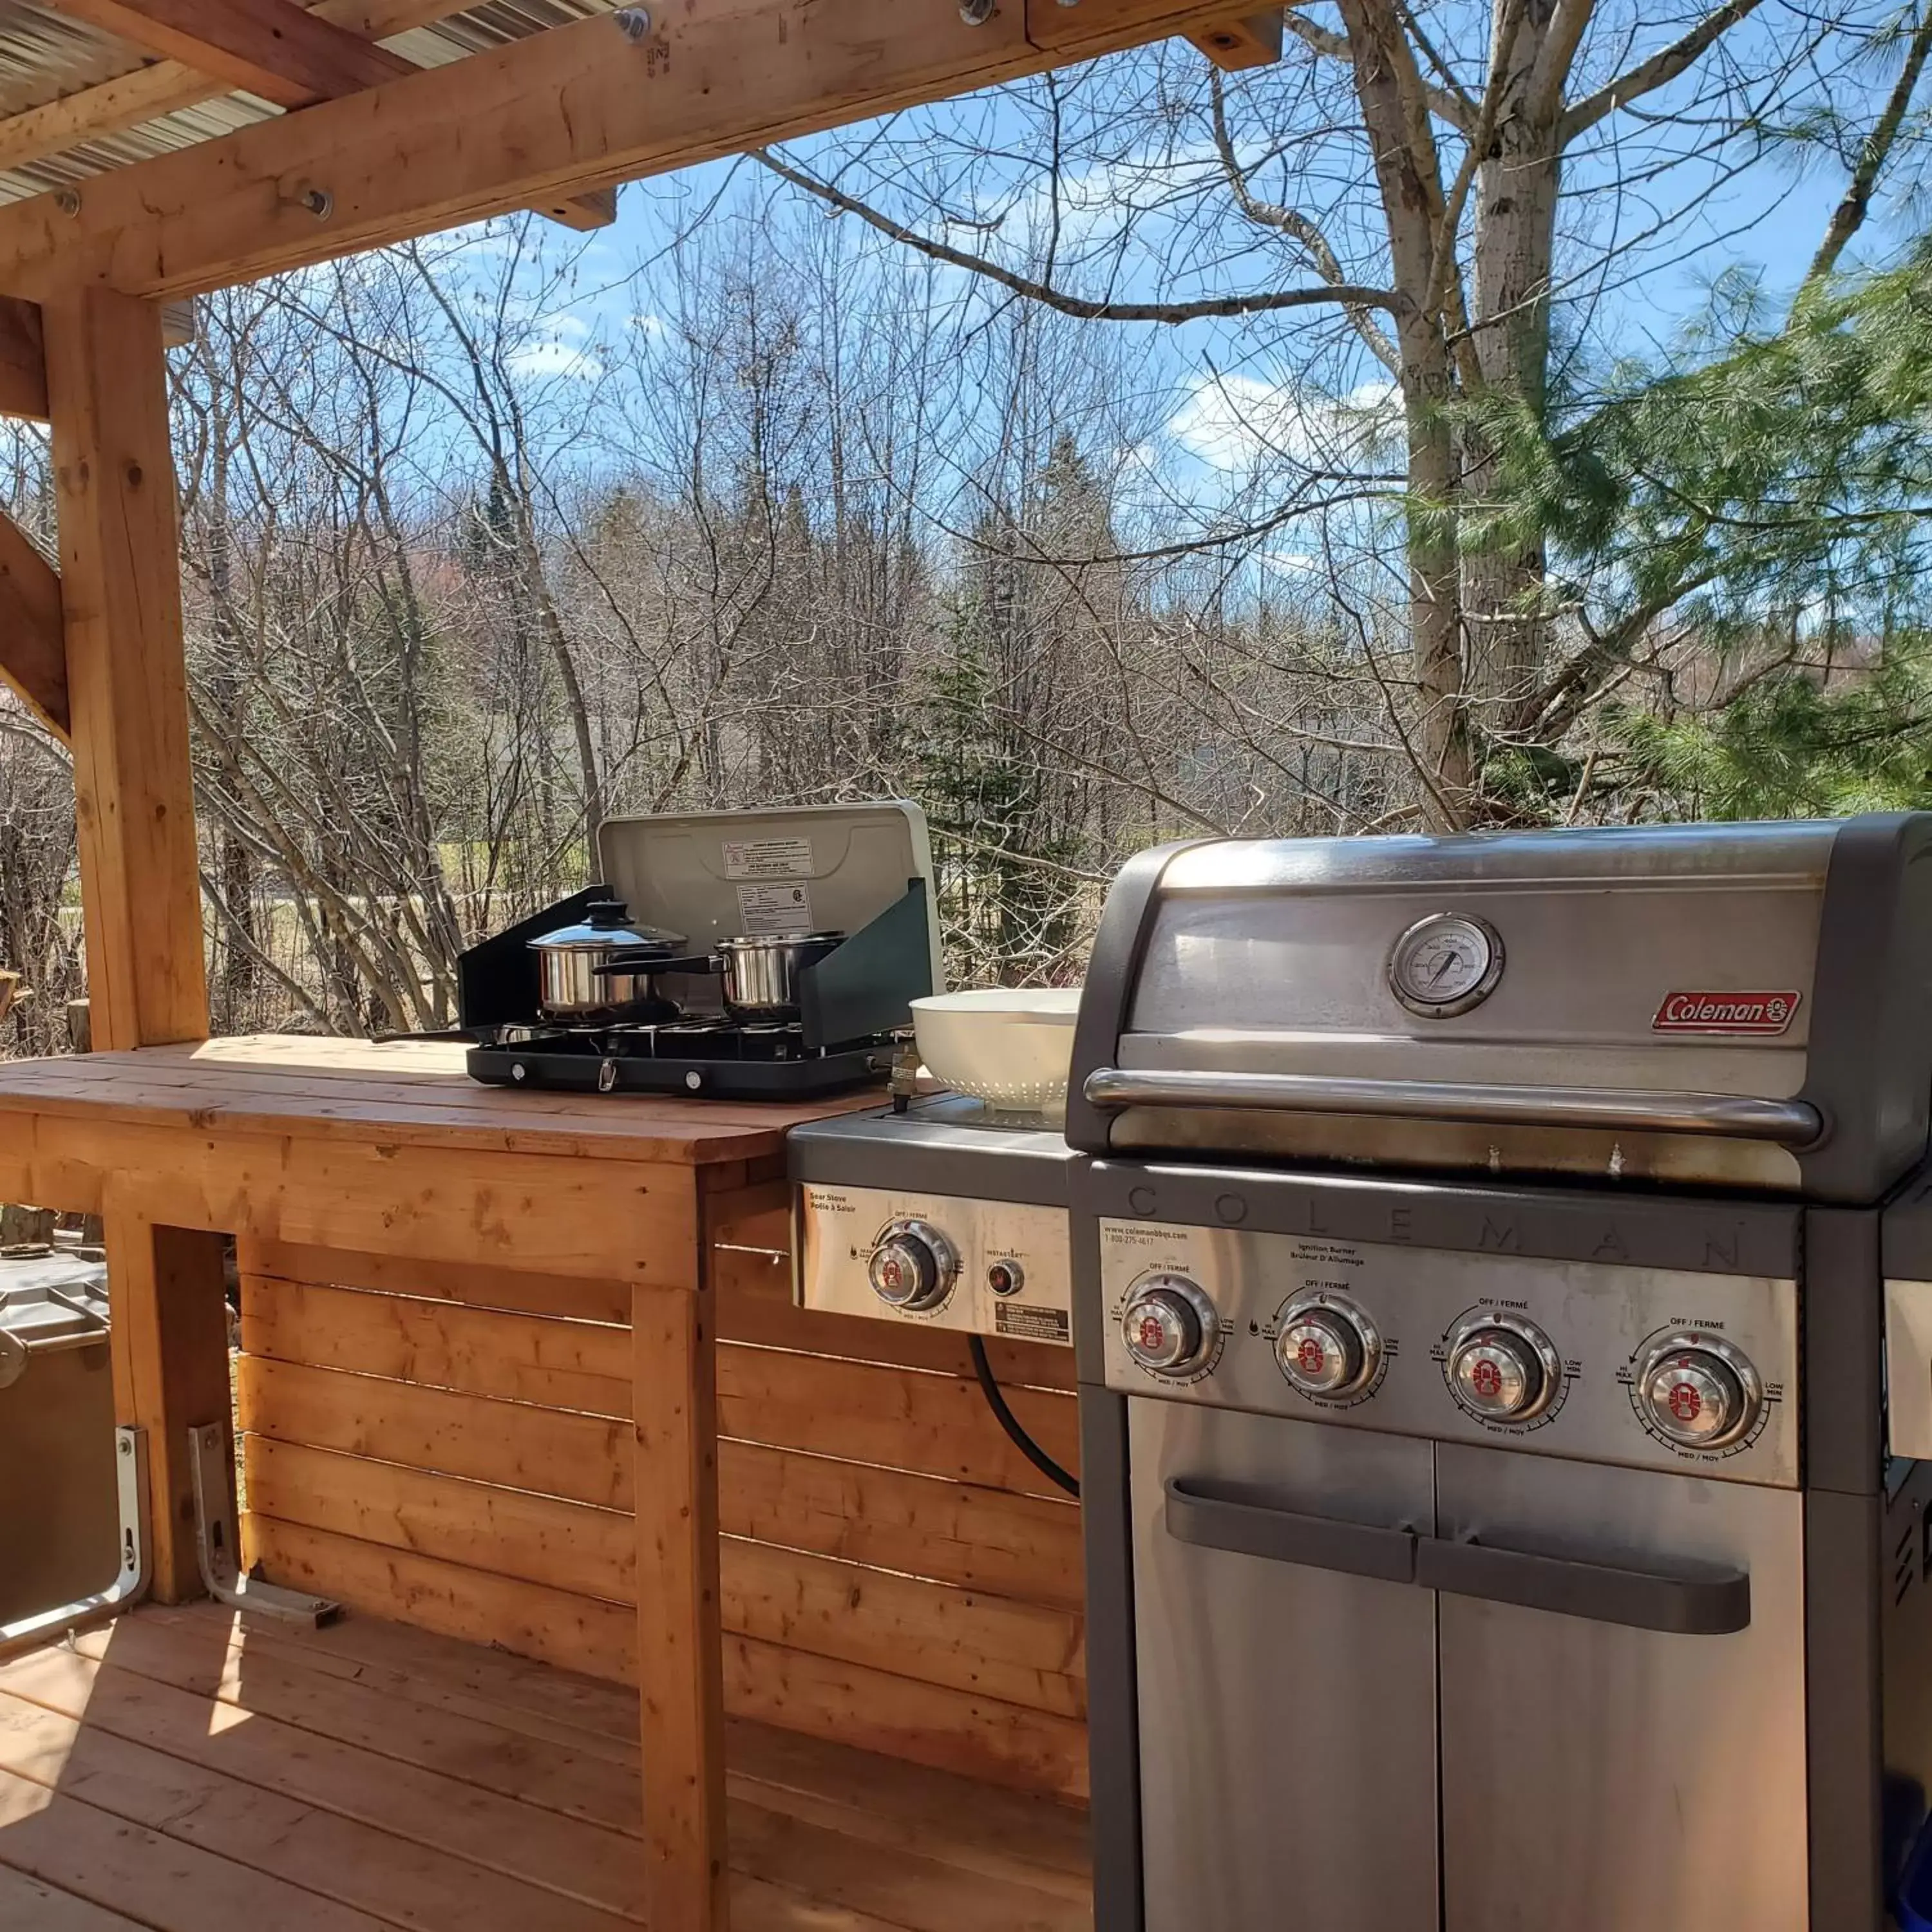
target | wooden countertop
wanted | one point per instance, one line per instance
(412, 1093)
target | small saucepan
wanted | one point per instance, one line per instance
(761, 971)
(604, 968)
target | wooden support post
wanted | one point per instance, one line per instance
(140, 888)
(169, 1348)
(680, 1666)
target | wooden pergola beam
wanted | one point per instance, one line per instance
(272, 48)
(283, 52)
(580, 106)
(33, 642)
(168, 86)
(1250, 39)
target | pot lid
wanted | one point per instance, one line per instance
(606, 925)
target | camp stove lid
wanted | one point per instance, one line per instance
(1720, 1004)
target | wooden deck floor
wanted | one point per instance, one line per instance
(177, 1772)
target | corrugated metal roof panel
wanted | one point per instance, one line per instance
(45, 57)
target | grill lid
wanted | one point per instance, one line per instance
(1734, 1004)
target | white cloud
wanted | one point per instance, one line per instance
(558, 344)
(1242, 423)
(555, 355)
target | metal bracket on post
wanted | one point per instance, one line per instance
(215, 1544)
(130, 1582)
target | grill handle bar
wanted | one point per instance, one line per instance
(1789, 1123)
(1714, 1603)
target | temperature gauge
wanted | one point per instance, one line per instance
(1446, 964)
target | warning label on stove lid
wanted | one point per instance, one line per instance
(1033, 1325)
(768, 858)
(774, 909)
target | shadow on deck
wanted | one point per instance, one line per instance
(181, 1771)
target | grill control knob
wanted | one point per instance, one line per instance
(1169, 1326)
(912, 1267)
(1328, 1350)
(1503, 1371)
(1699, 1392)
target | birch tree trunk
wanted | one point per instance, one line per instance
(1518, 181)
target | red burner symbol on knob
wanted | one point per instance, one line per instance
(1686, 1404)
(892, 1272)
(1311, 1356)
(1489, 1380)
(1152, 1334)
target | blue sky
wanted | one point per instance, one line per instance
(1228, 389)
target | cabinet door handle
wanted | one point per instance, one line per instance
(1194, 1514)
(1715, 1603)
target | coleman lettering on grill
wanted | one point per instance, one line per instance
(1725, 1012)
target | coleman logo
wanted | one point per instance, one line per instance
(1725, 1012)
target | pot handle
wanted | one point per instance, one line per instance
(634, 962)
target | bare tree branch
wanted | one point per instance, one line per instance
(1849, 216)
(1261, 303)
(1293, 223)
(1454, 107)
(1659, 70)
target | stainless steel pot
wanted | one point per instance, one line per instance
(761, 971)
(603, 968)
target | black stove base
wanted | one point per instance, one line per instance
(572, 1069)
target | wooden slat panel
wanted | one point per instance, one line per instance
(899, 1418)
(754, 1298)
(611, 1219)
(354, 1864)
(561, 1854)
(568, 1545)
(892, 1417)
(558, 1364)
(582, 1457)
(533, 1620)
(166, 1887)
(1021, 1652)
(928, 1724)
(1021, 1546)
(481, 1288)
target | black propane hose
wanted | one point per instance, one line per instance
(996, 1401)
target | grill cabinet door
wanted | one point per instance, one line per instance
(1599, 1777)
(1287, 1712)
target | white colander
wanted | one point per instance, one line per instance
(1010, 1046)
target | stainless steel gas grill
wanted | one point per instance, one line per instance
(1478, 1311)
